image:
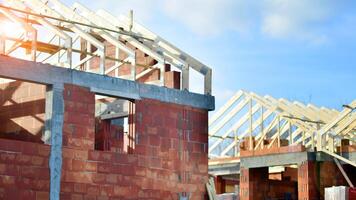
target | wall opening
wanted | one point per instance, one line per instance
(283, 182)
(114, 127)
(22, 110)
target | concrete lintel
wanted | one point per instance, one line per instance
(14, 68)
(276, 159)
(224, 169)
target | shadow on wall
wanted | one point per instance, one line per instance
(22, 111)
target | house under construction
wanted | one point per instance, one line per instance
(97, 107)
(267, 148)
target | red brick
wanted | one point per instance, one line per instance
(79, 188)
(39, 161)
(154, 140)
(34, 172)
(93, 190)
(99, 178)
(78, 177)
(76, 197)
(7, 181)
(67, 187)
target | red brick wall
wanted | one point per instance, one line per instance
(169, 156)
(24, 172)
(173, 139)
(22, 108)
(313, 177)
(79, 117)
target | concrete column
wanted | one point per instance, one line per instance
(53, 135)
(185, 77)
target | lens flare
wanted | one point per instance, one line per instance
(10, 29)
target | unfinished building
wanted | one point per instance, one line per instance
(267, 148)
(97, 107)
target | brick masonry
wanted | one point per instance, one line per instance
(168, 155)
(312, 178)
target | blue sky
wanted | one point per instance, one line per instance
(297, 49)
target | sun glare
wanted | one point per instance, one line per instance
(10, 29)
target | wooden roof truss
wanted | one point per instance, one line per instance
(248, 115)
(71, 26)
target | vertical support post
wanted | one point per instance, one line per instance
(290, 133)
(207, 82)
(32, 35)
(54, 127)
(185, 77)
(279, 132)
(161, 74)
(68, 44)
(331, 144)
(313, 140)
(2, 44)
(133, 68)
(319, 138)
(88, 49)
(303, 137)
(131, 20)
(236, 142)
(250, 126)
(117, 63)
(262, 138)
(59, 52)
(102, 61)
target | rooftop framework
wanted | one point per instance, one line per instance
(49, 38)
(248, 115)
(65, 29)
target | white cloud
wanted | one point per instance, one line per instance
(211, 17)
(273, 18)
(295, 18)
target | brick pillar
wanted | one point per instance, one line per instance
(308, 181)
(79, 117)
(172, 79)
(219, 185)
(253, 183)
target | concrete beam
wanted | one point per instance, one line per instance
(13, 68)
(224, 169)
(276, 159)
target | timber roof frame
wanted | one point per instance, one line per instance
(68, 24)
(309, 125)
